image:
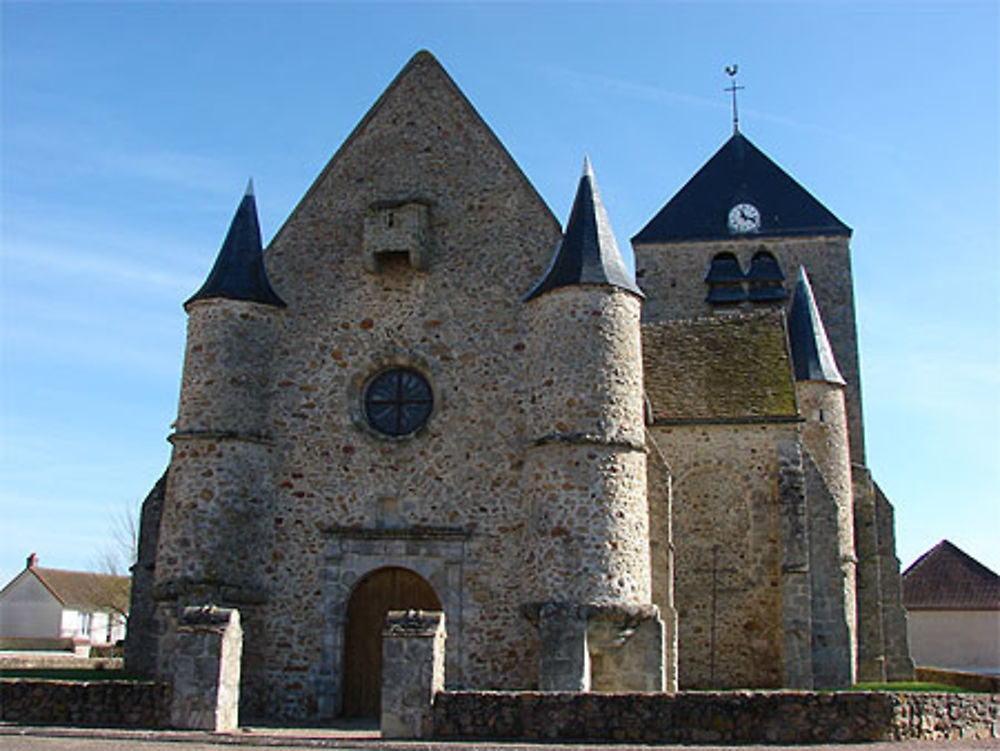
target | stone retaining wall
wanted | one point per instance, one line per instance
(736, 717)
(696, 717)
(107, 704)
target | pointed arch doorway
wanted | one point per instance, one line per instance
(382, 590)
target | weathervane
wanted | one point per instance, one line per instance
(731, 71)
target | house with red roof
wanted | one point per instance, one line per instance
(953, 602)
(47, 608)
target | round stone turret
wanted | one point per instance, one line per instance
(219, 479)
(819, 389)
(585, 471)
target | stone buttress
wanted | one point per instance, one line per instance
(215, 511)
(819, 389)
(585, 468)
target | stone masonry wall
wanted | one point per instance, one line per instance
(727, 559)
(898, 663)
(716, 718)
(871, 641)
(585, 470)
(140, 639)
(108, 704)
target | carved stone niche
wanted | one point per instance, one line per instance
(395, 229)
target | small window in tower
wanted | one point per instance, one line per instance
(725, 280)
(767, 281)
(398, 402)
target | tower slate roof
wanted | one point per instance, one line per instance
(588, 253)
(947, 578)
(739, 172)
(812, 355)
(239, 273)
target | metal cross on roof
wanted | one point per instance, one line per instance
(731, 71)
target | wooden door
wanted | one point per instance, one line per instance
(379, 592)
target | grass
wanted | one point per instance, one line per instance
(910, 686)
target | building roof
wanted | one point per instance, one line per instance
(239, 273)
(811, 352)
(719, 369)
(588, 253)
(80, 590)
(946, 578)
(739, 172)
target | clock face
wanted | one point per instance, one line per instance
(743, 218)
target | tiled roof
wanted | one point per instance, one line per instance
(86, 591)
(739, 172)
(946, 578)
(719, 368)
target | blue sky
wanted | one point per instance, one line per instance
(129, 131)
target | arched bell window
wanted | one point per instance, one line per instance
(725, 280)
(767, 280)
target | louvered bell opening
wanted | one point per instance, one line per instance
(725, 268)
(766, 278)
(764, 268)
(720, 294)
(767, 292)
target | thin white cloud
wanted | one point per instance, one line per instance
(78, 155)
(188, 171)
(647, 92)
(103, 268)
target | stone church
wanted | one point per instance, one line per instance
(425, 393)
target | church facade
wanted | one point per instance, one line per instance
(605, 482)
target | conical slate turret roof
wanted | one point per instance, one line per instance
(238, 273)
(588, 253)
(812, 356)
(738, 173)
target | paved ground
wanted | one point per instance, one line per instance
(16, 738)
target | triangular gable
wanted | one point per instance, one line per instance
(424, 77)
(737, 173)
(32, 572)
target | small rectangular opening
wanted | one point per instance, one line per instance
(392, 260)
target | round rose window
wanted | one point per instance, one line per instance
(398, 401)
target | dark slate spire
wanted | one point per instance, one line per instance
(812, 356)
(238, 273)
(588, 253)
(740, 173)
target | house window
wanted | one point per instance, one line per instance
(767, 281)
(85, 619)
(725, 280)
(398, 401)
